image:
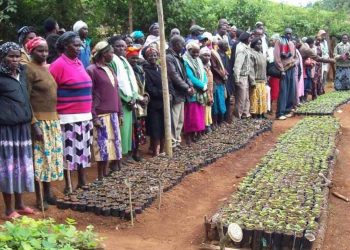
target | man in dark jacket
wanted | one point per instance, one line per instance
(181, 86)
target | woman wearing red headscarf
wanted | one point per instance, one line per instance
(47, 139)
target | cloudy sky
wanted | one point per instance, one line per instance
(296, 2)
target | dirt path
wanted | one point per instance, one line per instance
(179, 224)
(338, 233)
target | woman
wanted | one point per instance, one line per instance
(258, 94)
(205, 55)
(299, 71)
(48, 148)
(140, 115)
(16, 157)
(195, 107)
(155, 118)
(106, 110)
(153, 37)
(274, 82)
(74, 103)
(25, 34)
(342, 58)
(128, 92)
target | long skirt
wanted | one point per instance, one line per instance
(155, 123)
(342, 78)
(107, 142)
(140, 131)
(126, 130)
(48, 154)
(194, 117)
(258, 99)
(274, 83)
(77, 140)
(219, 105)
(16, 159)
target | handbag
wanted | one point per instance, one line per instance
(273, 71)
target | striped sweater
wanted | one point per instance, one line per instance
(74, 86)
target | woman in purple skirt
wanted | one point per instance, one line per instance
(16, 160)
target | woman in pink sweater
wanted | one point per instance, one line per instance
(74, 103)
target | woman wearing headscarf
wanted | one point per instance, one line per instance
(25, 34)
(274, 81)
(128, 92)
(74, 102)
(140, 115)
(16, 156)
(46, 129)
(195, 106)
(155, 118)
(82, 29)
(153, 36)
(106, 110)
(258, 94)
(205, 55)
(138, 38)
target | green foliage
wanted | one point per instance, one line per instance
(28, 234)
(106, 17)
(325, 104)
(285, 192)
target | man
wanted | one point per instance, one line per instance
(285, 56)
(260, 31)
(241, 72)
(81, 28)
(195, 32)
(232, 35)
(51, 27)
(181, 86)
(325, 54)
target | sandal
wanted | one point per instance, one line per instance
(26, 211)
(13, 215)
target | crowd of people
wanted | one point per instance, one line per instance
(67, 101)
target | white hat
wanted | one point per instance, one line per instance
(79, 25)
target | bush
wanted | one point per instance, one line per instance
(28, 234)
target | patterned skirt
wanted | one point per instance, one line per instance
(107, 141)
(48, 154)
(258, 99)
(342, 78)
(77, 140)
(16, 159)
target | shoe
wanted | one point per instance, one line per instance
(13, 215)
(289, 115)
(26, 211)
(281, 118)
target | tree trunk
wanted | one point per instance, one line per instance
(166, 100)
(131, 25)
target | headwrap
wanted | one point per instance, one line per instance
(137, 34)
(23, 32)
(35, 42)
(132, 51)
(64, 39)
(4, 50)
(288, 30)
(100, 48)
(255, 41)
(244, 36)
(79, 25)
(192, 45)
(275, 36)
(176, 31)
(149, 50)
(205, 50)
(153, 26)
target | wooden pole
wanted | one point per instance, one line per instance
(130, 17)
(166, 101)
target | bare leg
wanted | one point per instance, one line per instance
(19, 201)
(162, 144)
(81, 177)
(8, 204)
(156, 147)
(101, 170)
